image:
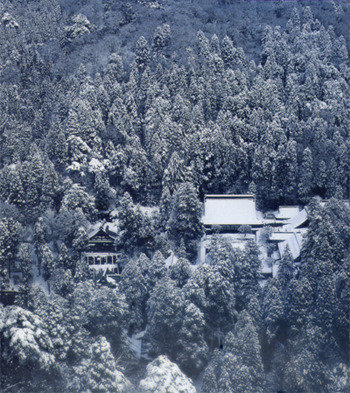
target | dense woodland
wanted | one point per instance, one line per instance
(109, 116)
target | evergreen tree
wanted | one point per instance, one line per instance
(82, 271)
(161, 37)
(247, 274)
(27, 357)
(306, 176)
(8, 246)
(142, 53)
(47, 261)
(239, 366)
(272, 310)
(133, 285)
(305, 371)
(100, 373)
(106, 314)
(65, 260)
(50, 187)
(211, 374)
(325, 307)
(302, 300)
(180, 272)
(184, 222)
(16, 190)
(174, 174)
(203, 46)
(164, 315)
(342, 311)
(213, 293)
(130, 218)
(62, 282)
(286, 269)
(25, 258)
(163, 375)
(57, 147)
(33, 183)
(164, 207)
(156, 270)
(192, 350)
(227, 51)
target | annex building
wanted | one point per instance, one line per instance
(237, 219)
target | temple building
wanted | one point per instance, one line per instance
(101, 253)
(226, 213)
(238, 221)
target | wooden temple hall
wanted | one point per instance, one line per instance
(101, 254)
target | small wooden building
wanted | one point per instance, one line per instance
(101, 253)
(8, 296)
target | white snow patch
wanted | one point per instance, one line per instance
(74, 167)
(163, 376)
(96, 166)
(149, 210)
(230, 210)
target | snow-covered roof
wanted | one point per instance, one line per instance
(294, 242)
(297, 221)
(280, 236)
(171, 260)
(112, 227)
(285, 212)
(109, 227)
(292, 239)
(230, 210)
(93, 230)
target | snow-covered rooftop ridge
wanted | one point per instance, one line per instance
(229, 196)
(109, 227)
(94, 229)
(230, 210)
(280, 236)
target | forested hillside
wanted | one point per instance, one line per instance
(130, 112)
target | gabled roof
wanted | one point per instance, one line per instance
(102, 230)
(297, 221)
(294, 242)
(93, 230)
(230, 210)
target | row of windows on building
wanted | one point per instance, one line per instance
(103, 260)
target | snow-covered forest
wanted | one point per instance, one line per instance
(129, 112)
